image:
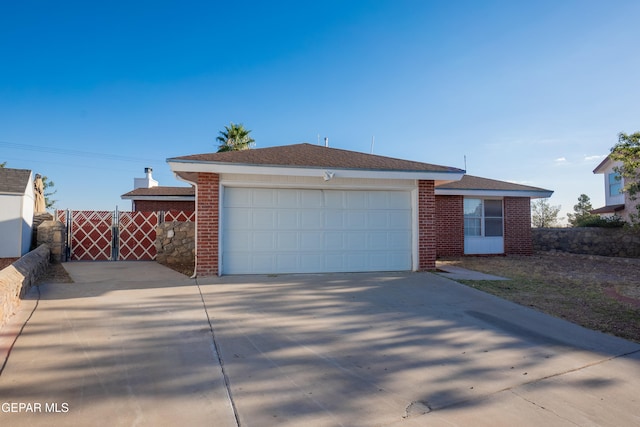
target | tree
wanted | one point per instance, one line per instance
(3, 164)
(582, 212)
(543, 215)
(234, 138)
(627, 151)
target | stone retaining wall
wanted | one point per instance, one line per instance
(175, 243)
(614, 242)
(18, 278)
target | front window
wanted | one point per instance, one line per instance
(615, 184)
(483, 218)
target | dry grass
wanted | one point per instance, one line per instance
(599, 293)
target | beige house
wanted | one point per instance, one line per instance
(617, 202)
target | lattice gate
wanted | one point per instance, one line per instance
(114, 235)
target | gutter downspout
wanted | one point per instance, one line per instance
(195, 184)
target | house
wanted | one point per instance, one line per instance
(16, 211)
(617, 202)
(305, 208)
(147, 195)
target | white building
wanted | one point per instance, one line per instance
(16, 211)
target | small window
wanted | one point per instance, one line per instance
(483, 218)
(615, 184)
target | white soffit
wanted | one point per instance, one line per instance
(220, 168)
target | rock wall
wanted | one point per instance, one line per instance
(53, 234)
(614, 242)
(175, 243)
(18, 278)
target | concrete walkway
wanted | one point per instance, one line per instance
(127, 344)
(131, 344)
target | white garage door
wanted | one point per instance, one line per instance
(311, 231)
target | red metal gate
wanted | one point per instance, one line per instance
(137, 236)
(114, 235)
(89, 234)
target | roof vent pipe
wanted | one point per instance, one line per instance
(326, 141)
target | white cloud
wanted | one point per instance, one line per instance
(597, 157)
(560, 160)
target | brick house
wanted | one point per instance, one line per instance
(304, 208)
(148, 196)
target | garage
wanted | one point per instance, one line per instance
(293, 230)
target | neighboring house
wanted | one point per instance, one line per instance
(616, 201)
(304, 208)
(16, 211)
(149, 196)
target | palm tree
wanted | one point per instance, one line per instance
(234, 138)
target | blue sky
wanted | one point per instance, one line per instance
(530, 92)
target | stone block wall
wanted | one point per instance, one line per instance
(175, 243)
(18, 278)
(53, 234)
(614, 242)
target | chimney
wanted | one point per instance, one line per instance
(326, 141)
(146, 182)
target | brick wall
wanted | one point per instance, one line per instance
(517, 226)
(208, 224)
(426, 226)
(449, 226)
(161, 205)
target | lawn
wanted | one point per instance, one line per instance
(599, 293)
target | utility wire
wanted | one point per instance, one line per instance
(77, 153)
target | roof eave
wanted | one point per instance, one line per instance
(533, 194)
(180, 165)
(160, 198)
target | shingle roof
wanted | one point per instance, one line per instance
(470, 182)
(314, 156)
(161, 191)
(14, 181)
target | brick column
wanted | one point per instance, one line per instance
(426, 226)
(208, 224)
(517, 226)
(449, 226)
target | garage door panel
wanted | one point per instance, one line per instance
(238, 241)
(356, 241)
(357, 220)
(286, 263)
(263, 219)
(334, 240)
(238, 198)
(311, 240)
(264, 197)
(377, 241)
(399, 220)
(287, 219)
(287, 199)
(334, 200)
(356, 199)
(263, 241)
(311, 199)
(311, 219)
(309, 231)
(287, 241)
(377, 220)
(334, 219)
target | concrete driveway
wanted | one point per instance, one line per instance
(131, 344)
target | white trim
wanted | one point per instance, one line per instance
(161, 198)
(222, 168)
(415, 225)
(493, 193)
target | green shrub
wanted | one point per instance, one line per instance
(609, 222)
